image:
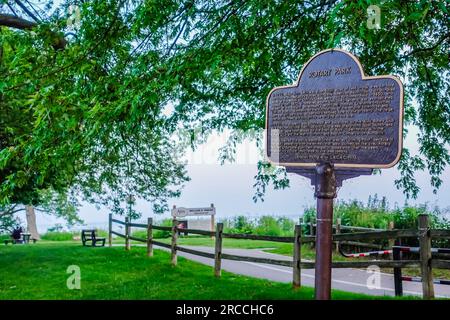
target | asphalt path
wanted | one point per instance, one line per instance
(350, 280)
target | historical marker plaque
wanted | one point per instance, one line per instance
(335, 114)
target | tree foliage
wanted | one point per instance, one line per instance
(96, 113)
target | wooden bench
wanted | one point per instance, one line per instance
(91, 235)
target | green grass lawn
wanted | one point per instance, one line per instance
(39, 272)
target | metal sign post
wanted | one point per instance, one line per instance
(326, 179)
(325, 193)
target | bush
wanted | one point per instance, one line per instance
(157, 234)
(287, 226)
(239, 224)
(141, 233)
(377, 214)
(161, 234)
(67, 236)
(265, 225)
(58, 236)
(101, 233)
(268, 226)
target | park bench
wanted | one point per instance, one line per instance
(91, 235)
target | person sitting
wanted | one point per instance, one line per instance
(17, 234)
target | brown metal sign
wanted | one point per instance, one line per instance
(335, 114)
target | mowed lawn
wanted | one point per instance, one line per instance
(40, 272)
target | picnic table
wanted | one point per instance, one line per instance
(24, 238)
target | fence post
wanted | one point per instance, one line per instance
(218, 250)
(391, 242)
(425, 256)
(174, 242)
(296, 281)
(398, 284)
(338, 231)
(213, 221)
(127, 233)
(311, 231)
(300, 222)
(149, 237)
(110, 230)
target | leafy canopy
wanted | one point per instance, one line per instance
(96, 113)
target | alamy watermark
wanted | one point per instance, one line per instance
(374, 17)
(74, 280)
(73, 22)
(374, 279)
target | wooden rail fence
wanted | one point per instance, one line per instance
(426, 262)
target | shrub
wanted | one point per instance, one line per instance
(377, 214)
(101, 233)
(58, 236)
(157, 234)
(287, 226)
(265, 225)
(140, 234)
(268, 226)
(239, 224)
(160, 234)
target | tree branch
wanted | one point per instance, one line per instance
(178, 36)
(25, 9)
(11, 212)
(9, 20)
(422, 50)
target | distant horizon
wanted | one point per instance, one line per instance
(290, 202)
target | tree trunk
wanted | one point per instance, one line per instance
(31, 222)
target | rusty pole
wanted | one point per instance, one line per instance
(325, 193)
